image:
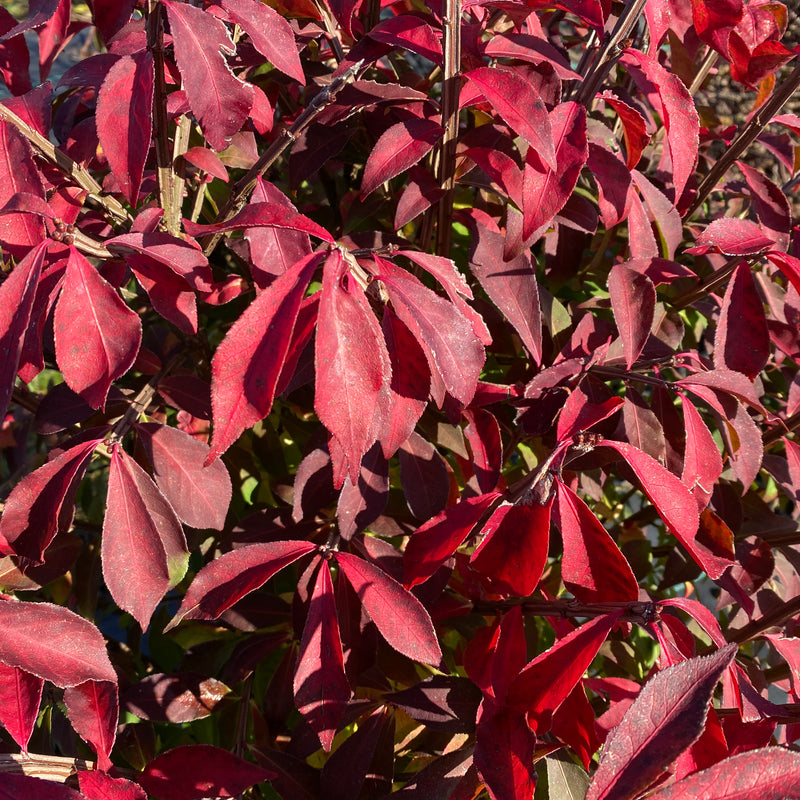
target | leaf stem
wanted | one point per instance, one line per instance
(717, 278)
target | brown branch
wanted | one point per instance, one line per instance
(642, 613)
(791, 608)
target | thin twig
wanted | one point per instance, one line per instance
(451, 24)
(745, 138)
(710, 284)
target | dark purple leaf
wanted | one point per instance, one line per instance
(424, 476)
(179, 697)
(25, 787)
(483, 434)
(666, 717)
(445, 703)
(362, 504)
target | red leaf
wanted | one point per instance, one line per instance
(199, 495)
(483, 434)
(678, 114)
(702, 463)
(17, 294)
(633, 300)
(504, 752)
(520, 106)
(769, 773)
(788, 265)
(143, 547)
(194, 771)
(454, 352)
(230, 577)
(633, 128)
(218, 99)
(546, 189)
(97, 336)
(511, 286)
(436, 540)
(24, 787)
(513, 554)
(579, 413)
(534, 49)
(124, 113)
(742, 340)
(351, 362)
(42, 503)
(20, 695)
(14, 57)
(723, 381)
(546, 681)
(424, 476)
(666, 717)
(593, 568)
(247, 364)
(270, 33)
(96, 785)
(18, 173)
(321, 689)
(409, 387)
(770, 204)
(183, 258)
(400, 618)
(398, 148)
(93, 710)
(52, 643)
(261, 215)
(409, 32)
(674, 503)
(732, 236)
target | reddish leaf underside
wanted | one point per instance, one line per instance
(143, 547)
(400, 618)
(93, 710)
(321, 688)
(20, 695)
(666, 717)
(218, 99)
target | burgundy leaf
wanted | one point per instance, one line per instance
(124, 111)
(207, 161)
(20, 695)
(97, 336)
(218, 99)
(643, 428)
(274, 250)
(513, 553)
(483, 434)
(360, 505)
(501, 169)
(770, 204)
(546, 681)
(17, 295)
(436, 540)
(97, 785)
(321, 689)
(547, 189)
(520, 106)
(593, 568)
(788, 265)
(179, 697)
(633, 300)
(613, 181)
(769, 773)
(525, 47)
(400, 618)
(24, 787)
(14, 57)
(183, 258)
(409, 32)
(446, 703)
(247, 364)
(18, 174)
(446, 336)
(424, 476)
(398, 148)
(232, 575)
(579, 413)
(722, 381)
(678, 114)
(93, 710)
(742, 340)
(194, 771)
(143, 547)
(504, 752)
(409, 387)
(42, 503)
(702, 463)
(52, 643)
(199, 495)
(666, 717)
(351, 362)
(512, 287)
(270, 33)
(732, 236)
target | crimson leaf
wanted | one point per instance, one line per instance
(20, 695)
(93, 710)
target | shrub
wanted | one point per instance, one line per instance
(399, 398)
